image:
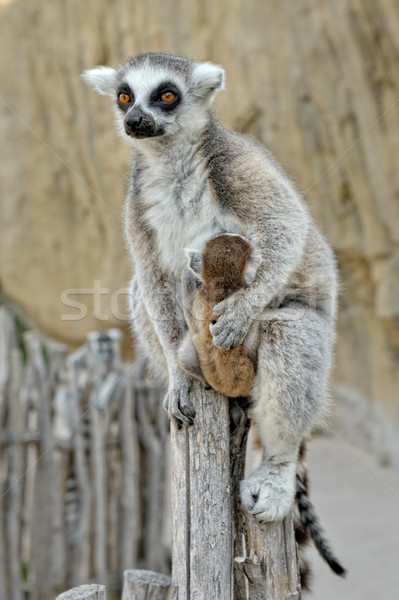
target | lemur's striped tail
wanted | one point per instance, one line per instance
(311, 523)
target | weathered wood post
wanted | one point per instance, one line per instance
(146, 585)
(202, 524)
(84, 592)
(138, 585)
(219, 551)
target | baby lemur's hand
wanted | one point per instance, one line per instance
(234, 318)
(177, 400)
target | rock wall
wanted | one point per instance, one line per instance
(316, 81)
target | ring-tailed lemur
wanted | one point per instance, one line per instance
(193, 179)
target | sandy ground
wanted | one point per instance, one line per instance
(358, 504)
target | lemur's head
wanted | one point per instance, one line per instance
(158, 94)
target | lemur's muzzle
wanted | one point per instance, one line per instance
(139, 124)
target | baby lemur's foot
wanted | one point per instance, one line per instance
(269, 492)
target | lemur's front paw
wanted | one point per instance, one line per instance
(269, 492)
(177, 402)
(233, 322)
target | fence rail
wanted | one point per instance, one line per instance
(82, 466)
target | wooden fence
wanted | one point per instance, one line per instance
(219, 551)
(84, 456)
(83, 463)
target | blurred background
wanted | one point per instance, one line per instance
(316, 81)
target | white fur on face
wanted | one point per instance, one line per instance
(144, 79)
(191, 113)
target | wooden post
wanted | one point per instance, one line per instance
(44, 500)
(143, 585)
(84, 592)
(6, 343)
(103, 360)
(239, 428)
(219, 551)
(56, 353)
(15, 476)
(153, 434)
(202, 524)
(271, 562)
(130, 500)
(78, 544)
(265, 556)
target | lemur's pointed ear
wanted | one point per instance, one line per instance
(103, 79)
(194, 261)
(252, 268)
(207, 79)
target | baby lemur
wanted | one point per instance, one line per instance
(226, 265)
(193, 179)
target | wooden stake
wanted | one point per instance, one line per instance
(271, 563)
(84, 592)
(145, 585)
(15, 476)
(130, 500)
(202, 531)
(44, 501)
(209, 527)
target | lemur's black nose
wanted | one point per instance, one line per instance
(139, 124)
(134, 121)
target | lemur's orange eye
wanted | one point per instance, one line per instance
(168, 97)
(124, 98)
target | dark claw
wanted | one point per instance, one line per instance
(257, 513)
(186, 420)
(189, 412)
(189, 420)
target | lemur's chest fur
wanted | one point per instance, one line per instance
(180, 208)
